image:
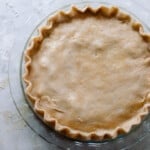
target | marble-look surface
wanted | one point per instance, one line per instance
(18, 18)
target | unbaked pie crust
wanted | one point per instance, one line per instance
(87, 73)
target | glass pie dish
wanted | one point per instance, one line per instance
(123, 141)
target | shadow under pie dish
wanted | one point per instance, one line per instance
(87, 73)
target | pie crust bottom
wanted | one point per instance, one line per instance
(88, 73)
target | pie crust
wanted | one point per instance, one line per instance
(87, 73)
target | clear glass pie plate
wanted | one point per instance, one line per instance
(17, 87)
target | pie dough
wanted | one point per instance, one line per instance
(87, 73)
